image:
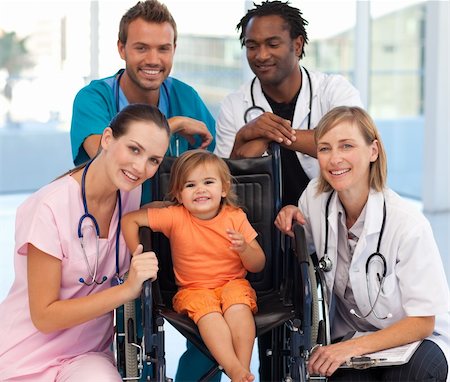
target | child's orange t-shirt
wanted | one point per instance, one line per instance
(200, 248)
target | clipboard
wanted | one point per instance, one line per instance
(389, 357)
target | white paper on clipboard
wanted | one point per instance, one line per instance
(390, 357)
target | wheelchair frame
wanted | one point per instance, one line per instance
(303, 317)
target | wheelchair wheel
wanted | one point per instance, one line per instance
(131, 361)
(315, 319)
(320, 332)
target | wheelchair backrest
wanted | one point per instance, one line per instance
(257, 185)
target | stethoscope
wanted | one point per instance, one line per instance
(116, 280)
(255, 111)
(326, 265)
(117, 88)
(173, 151)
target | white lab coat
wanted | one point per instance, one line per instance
(415, 283)
(328, 91)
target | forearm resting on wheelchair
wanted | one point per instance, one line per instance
(405, 331)
(304, 143)
(249, 149)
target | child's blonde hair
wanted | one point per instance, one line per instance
(192, 159)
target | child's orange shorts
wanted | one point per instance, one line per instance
(196, 302)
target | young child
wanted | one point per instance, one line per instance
(213, 246)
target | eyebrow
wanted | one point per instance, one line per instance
(207, 178)
(137, 144)
(143, 149)
(162, 45)
(266, 40)
(339, 141)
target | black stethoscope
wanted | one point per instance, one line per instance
(116, 280)
(255, 111)
(326, 265)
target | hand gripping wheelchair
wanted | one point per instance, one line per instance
(291, 300)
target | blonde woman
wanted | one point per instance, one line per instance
(381, 264)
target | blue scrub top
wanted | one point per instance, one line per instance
(96, 104)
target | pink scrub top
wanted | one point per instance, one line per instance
(48, 219)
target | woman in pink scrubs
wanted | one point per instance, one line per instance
(57, 320)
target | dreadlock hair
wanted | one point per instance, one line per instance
(292, 16)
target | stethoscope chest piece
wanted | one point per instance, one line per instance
(116, 280)
(325, 264)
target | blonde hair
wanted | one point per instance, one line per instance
(191, 160)
(360, 118)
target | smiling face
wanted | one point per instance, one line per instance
(148, 54)
(271, 53)
(202, 191)
(135, 156)
(345, 157)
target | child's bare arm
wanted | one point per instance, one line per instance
(130, 227)
(251, 254)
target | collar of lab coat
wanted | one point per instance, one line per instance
(371, 230)
(372, 221)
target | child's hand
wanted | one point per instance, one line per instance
(238, 243)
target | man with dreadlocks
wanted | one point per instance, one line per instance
(283, 103)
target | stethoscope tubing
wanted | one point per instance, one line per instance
(261, 109)
(326, 265)
(172, 152)
(87, 215)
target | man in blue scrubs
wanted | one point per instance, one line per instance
(147, 42)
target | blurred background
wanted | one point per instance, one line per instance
(395, 52)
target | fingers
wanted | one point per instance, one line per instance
(237, 240)
(271, 127)
(206, 140)
(189, 128)
(286, 217)
(144, 266)
(325, 360)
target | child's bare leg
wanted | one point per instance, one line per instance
(217, 337)
(240, 320)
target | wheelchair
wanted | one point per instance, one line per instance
(292, 306)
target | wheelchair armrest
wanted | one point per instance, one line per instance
(299, 244)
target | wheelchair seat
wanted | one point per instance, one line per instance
(257, 187)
